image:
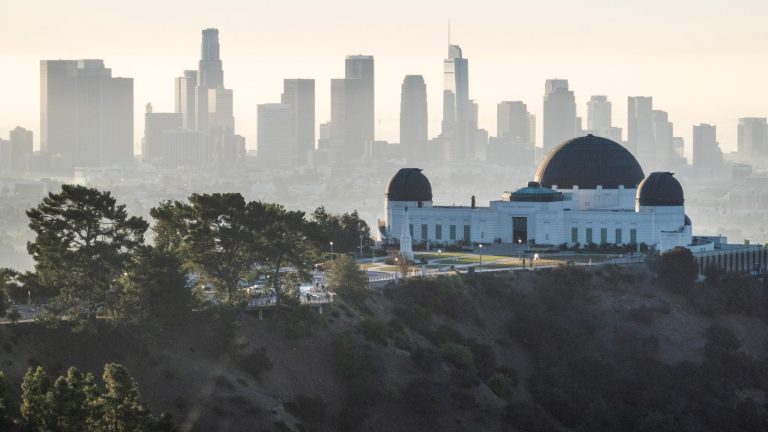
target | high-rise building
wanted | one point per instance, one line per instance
(337, 132)
(640, 130)
(184, 93)
(707, 155)
(560, 122)
(513, 122)
(86, 115)
(599, 113)
(210, 76)
(359, 90)
(299, 94)
(154, 126)
(457, 132)
(184, 148)
(413, 117)
(324, 136)
(20, 149)
(752, 141)
(663, 135)
(276, 135)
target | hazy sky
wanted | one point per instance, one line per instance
(703, 61)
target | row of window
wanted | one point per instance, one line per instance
(439, 232)
(589, 238)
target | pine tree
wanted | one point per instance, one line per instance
(68, 402)
(121, 401)
(35, 403)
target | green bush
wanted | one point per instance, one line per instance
(459, 356)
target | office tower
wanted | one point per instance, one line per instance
(86, 115)
(5, 157)
(599, 113)
(456, 131)
(184, 148)
(706, 150)
(338, 115)
(299, 94)
(678, 144)
(752, 141)
(276, 138)
(20, 143)
(359, 104)
(559, 113)
(513, 122)
(532, 130)
(210, 75)
(154, 126)
(185, 90)
(413, 117)
(221, 110)
(663, 133)
(640, 130)
(324, 136)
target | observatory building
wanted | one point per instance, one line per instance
(588, 190)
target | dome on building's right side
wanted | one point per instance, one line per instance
(660, 189)
(588, 162)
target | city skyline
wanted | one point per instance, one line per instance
(712, 75)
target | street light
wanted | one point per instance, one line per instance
(481, 256)
(361, 244)
(331, 243)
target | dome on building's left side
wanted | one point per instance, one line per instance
(409, 184)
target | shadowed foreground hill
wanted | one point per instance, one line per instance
(565, 349)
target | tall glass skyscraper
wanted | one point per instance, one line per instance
(456, 106)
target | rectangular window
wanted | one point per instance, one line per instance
(574, 235)
(424, 228)
(633, 236)
(603, 235)
(410, 229)
(453, 232)
(589, 235)
(619, 240)
(438, 232)
(467, 236)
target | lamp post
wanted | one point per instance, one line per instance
(397, 269)
(361, 245)
(520, 249)
(481, 255)
(439, 257)
(331, 243)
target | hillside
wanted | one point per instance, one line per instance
(565, 349)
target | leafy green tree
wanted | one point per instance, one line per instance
(155, 288)
(83, 243)
(216, 235)
(347, 279)
(69, 402)
(5, 417)
(35, 404)
(344, 230)
(677, 270)
(121, 402)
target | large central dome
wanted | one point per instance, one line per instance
(588, 162)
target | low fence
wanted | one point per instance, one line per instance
(744, 259)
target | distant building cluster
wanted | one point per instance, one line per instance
(86, 120)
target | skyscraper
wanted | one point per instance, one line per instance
(359, 104)
(210, 75)
(599, 113)
(456, 132)
(299, 94)
(663, 135)
(154, 126)
(640, 130)
(337, 130)
(184, 93)
(753, 138)
(276, 135)
(559, 113)
(413, 117)
(513, 122)
(20, 149)
(86, 115)
(707, 156)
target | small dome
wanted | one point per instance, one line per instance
(535, 193)
(660, 189)
(409, 184)
(588, 162)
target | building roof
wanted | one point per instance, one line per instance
(660, 189)
(534, 192)
(588, 162)
(409, 184)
